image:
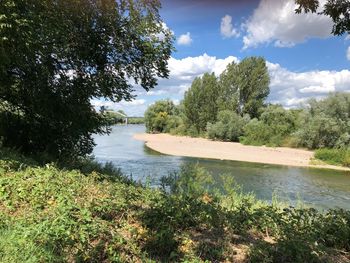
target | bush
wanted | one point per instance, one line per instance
(156, 115)
(272, 129)
(53, 215)
(325, 123)
(229, 126)
(162, 116)
(334, 156)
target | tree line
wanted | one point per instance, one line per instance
(233, 107)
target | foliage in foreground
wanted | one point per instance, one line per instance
(55, 56)
(53, 215)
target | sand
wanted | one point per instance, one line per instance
(204, 148)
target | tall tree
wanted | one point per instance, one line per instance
(57, 55)
(200, 102)
(337, 10)
(253, 81)
(228, 96)
(244, 87)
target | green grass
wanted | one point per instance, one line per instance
(334, 156)
(50, 214)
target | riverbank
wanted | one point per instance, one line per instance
(204, 148)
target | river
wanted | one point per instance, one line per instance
(319, 188)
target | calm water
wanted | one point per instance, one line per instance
(316, 187)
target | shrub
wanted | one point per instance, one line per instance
(334, 156)
(53, 215)
(273, 127)
(229, 126)
(325, 123)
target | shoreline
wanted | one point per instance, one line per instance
(233, 151)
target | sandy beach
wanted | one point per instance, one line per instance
(204, 148)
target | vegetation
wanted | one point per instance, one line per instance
(231, 108)
(326, 123)
(339, 156)
(244, 87)
(55, 56)
(273, 127)
(200, 106)
(161, 117)
(53, 215)
(229, 127)
(338, 11)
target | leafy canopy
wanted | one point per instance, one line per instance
(200, 104)
(337, 10)
(55, 56)
(244, 87)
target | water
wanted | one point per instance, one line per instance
(315, 187)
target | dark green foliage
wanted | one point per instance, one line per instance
(200, 104)
(326, 123)
(229, 126)
(272, 128)
(55, 56)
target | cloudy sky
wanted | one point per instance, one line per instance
(303, 58)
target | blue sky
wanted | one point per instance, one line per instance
(303, 58)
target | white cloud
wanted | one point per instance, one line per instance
(276, 22)
(287, 87)
(136, 102)
(182, 73)
(348, 53)
(226, 28)
(292, 89)
(185, 39)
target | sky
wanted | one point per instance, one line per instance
(303, 58)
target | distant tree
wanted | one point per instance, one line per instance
(244, 87)
(337, 10)
(200, 102)
(159, 116)
(55, 56)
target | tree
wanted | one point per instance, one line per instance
(244, 87)
(229, 126)
(326, 123)
(272, 128)
(228, 97)
(55, 56)
(253, 81)
(159, 116)
(337, 10)
(200, 102)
